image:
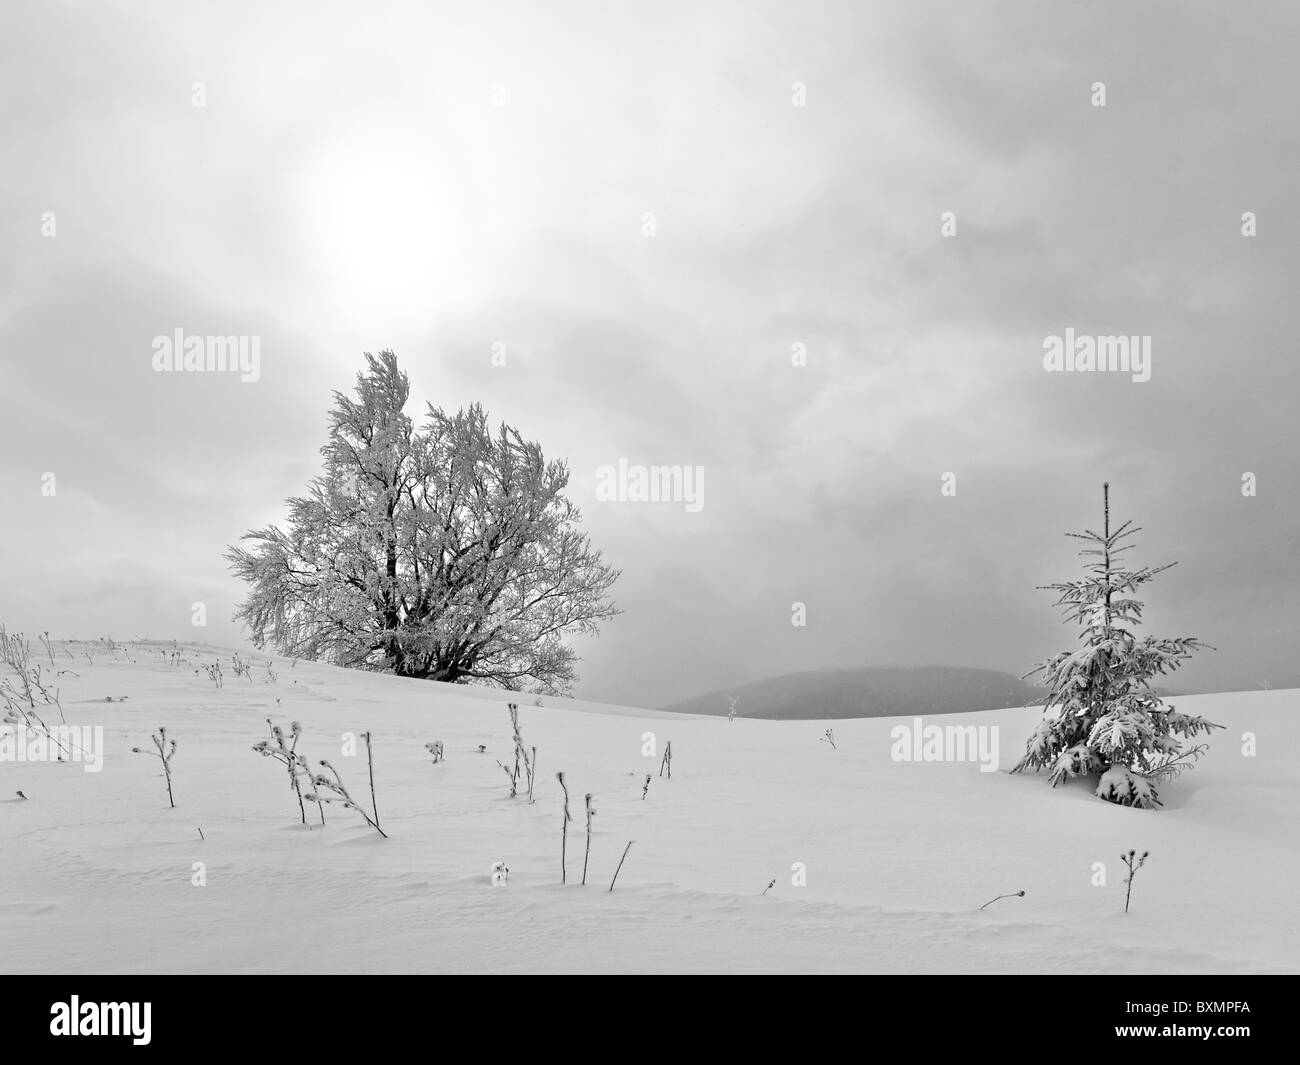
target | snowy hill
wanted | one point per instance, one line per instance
(99, 873)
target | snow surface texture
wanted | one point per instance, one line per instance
(97, 871)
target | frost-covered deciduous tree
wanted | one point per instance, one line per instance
(445, 551)
(1102, 717)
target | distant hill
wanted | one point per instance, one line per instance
(875, 692)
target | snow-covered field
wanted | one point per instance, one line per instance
(97, 873)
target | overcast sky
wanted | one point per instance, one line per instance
(443, 179)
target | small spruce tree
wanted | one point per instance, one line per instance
(1102, 717)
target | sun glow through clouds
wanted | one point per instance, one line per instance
(389, 224)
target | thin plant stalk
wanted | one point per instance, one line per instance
(620, 863)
